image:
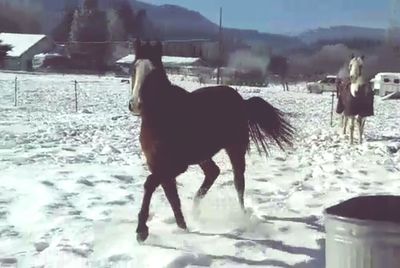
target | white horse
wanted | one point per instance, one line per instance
(355, 99)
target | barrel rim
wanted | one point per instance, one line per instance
(359, 221)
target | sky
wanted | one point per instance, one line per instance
(290, 16)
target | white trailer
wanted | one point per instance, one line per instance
(386, 84)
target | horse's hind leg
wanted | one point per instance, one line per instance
(237, 156)
(171, 191)
(151, 184)
(361, 124)
(341, 120)
(211, 172)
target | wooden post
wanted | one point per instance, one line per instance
(219, 47)
(76, 96)
(16, 91)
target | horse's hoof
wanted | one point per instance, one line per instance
(142, 236)
(182, 225)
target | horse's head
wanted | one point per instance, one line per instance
(355, 67)
(147, 62)
(356, 75)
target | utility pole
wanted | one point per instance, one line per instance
(219, 47)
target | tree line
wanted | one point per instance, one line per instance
(88, 31)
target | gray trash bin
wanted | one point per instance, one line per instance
(363, 232)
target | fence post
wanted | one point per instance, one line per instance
(15, 91)
(76, 95)
(333, 95)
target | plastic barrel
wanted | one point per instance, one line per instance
(363, 232)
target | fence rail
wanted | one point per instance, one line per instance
(66, 94)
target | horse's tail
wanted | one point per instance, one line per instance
(267, 123)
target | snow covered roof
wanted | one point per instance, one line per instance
(20, 42)
(165, 59)
(388, 74)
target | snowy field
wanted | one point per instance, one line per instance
(71, 182)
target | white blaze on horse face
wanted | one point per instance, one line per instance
(142, 68)
(355, 75)
(354, 69)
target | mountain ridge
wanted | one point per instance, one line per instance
(179, 23)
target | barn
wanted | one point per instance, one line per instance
(171, 63)
(24, 48)
(198, 48)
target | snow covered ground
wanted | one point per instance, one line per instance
(71, 183)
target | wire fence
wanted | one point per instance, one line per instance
(63, 94)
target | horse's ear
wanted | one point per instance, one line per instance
(352, 56)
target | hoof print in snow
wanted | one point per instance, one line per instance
(8, 261)
(40, 246)
(8, 231)
(86, 182)
(3, 214)
(108, 149)
(86, 111)
(114, 118)
(393, 148)
(48, 183)
(117, 203)
(124, 178)
(120, 258)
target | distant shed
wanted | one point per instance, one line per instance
(24, 48)
(169, 62)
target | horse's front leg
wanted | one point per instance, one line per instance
(345, 119)
(361, 124)
(151, 184)
(352, 119)
(171, 192)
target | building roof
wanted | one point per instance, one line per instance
(165, 59)
(20, 42)
(388, 74)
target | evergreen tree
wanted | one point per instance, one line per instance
(144, 28)
(91, 5)
(89, 33)
(62, 31)
(116, 28)
(126, 13)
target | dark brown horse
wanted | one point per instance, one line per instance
(179, 129)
